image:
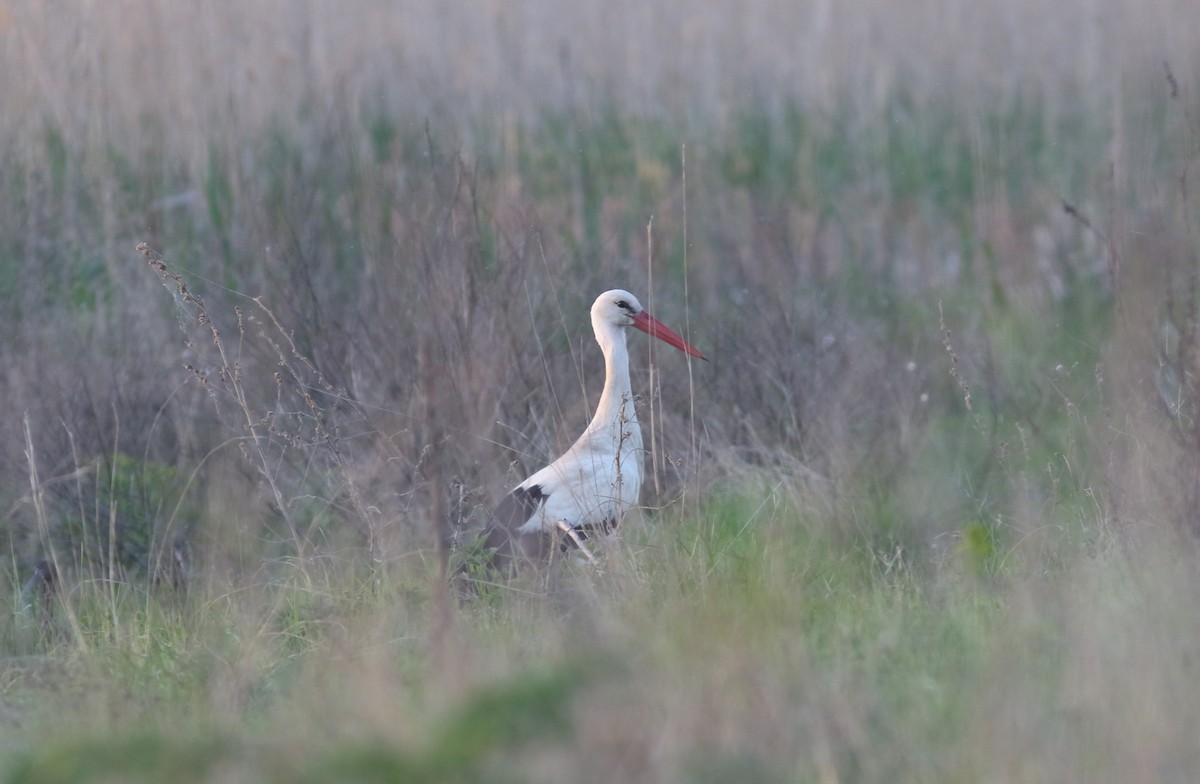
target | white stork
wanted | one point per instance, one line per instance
(593, 485)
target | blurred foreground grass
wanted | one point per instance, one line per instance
(928, 515)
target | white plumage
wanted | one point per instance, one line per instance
(597, 480)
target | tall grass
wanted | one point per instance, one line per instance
(929, 513)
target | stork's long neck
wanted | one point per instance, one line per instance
(616, 401)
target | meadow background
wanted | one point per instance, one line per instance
(929, 514)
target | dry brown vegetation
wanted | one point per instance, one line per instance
(929, 514)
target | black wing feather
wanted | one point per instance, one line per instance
(501, 536)
(606, 526)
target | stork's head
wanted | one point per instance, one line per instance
(618, 308)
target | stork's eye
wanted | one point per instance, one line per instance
(623, 305)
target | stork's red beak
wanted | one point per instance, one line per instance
(655, 328)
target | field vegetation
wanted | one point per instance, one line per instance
(290, 294)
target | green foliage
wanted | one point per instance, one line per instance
(532, 708)
(218, 199)
(132, 510)
(979, 548)
(57, 156)
(144, 757)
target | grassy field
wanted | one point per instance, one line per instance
(291, 294)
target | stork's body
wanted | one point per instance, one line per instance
(597, 480)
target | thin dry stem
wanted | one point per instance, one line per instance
(963, 386)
